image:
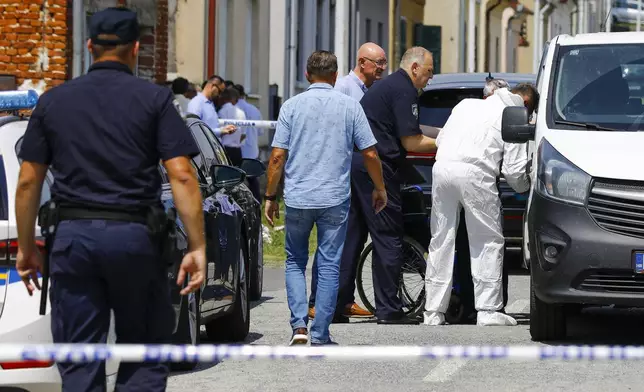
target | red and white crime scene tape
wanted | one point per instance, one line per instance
(249, 123)
(82, 353)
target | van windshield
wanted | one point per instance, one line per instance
(600, 85)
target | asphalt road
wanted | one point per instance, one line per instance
(269, 326)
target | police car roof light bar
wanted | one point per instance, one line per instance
(18, 100)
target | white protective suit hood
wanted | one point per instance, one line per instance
(472, 134)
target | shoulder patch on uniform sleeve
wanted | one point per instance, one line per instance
(414, 109)
(177, 106)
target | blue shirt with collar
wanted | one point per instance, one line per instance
(205, 109)
(319, 128)
(250, 147)
(351, 85)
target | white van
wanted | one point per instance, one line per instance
(584, 222)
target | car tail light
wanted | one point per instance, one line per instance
(25, 365)
(9, 249)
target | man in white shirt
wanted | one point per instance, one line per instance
(202, 106)
(250, 147)
(230, 111)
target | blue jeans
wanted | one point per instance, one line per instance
(332, 228)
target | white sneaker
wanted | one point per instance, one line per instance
(491, 318)
(300, 336)
(434, 318)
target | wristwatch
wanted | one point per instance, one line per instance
(270, 198)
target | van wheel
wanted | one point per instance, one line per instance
(235, 326)
(547, 321)
(188, 330)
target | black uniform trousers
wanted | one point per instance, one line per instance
(97, 266)
(386, 230)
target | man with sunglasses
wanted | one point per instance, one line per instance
(202, 105)
(371, 62)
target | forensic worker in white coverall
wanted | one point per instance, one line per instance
(468, 162)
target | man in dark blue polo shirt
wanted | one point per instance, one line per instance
(391, 106)
(103, 135)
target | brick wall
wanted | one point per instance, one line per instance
(34, 40)
(161, 42)
(153, 55)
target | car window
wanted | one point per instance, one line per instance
(436, 105)
(45, 193)
(599, 85)
(206, 148)
(219, 149)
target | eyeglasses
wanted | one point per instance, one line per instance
(379, 63)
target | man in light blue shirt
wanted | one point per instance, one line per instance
(203, 107)
(250, 147)
(371, 62)
(318, 130)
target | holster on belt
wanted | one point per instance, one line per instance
(161, 226)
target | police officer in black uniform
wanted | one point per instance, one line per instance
(391, 106)
(103, 135)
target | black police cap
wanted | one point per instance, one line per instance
(116, 21)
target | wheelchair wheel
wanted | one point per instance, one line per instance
(412, 278)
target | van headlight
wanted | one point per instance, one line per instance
(558, 178)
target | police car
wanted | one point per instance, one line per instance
(20, 320)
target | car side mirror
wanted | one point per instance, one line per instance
(224, 176)
(515, 125)
(253, 167)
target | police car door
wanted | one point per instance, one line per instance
(221, 226)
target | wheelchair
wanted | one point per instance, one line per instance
(415, 244)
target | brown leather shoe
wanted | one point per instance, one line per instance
(311, 313)
(354, 310)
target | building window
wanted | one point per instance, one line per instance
(367, 30)
(381, 39)
(403, 36)
(332, 27)
(222, 37)
(299, 68)
(252, 48)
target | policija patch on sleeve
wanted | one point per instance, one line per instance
(414, 109)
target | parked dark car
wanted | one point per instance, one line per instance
(436, 103)
(232, 218)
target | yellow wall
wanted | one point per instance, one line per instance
(445, 14)
(525, 54)
(413, 11)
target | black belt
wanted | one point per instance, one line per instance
(77, 213)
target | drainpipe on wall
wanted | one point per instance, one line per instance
(461, 35)
(542, 17)
(210, 17)
(536, 54)
(293, 49)
(471, 36)
(78, 27)
(487, 36)
(574, 26)
(286, 89)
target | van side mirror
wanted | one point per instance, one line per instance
(224, 176)
(515, 126)
(253, 167)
